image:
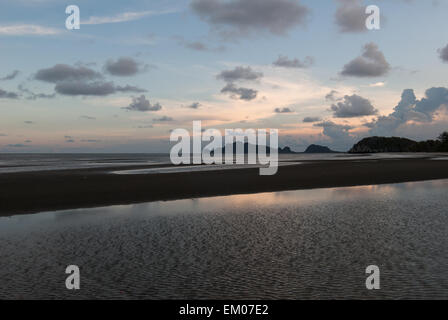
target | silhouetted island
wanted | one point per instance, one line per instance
(395, 144)
(314, 148)
(285, 150)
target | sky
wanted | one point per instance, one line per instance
(136, 70)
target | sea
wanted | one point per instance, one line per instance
(31, 162)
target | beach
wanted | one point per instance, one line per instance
(305, 244)
(36, 191)
(140, 228)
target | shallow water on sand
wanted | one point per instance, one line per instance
(30, 162)
(285, 245)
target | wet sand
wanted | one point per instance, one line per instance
(32, 192)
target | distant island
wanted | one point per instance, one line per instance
(314, 148)
(286, 150)
(395, 144)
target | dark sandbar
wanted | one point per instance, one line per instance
(31, 192)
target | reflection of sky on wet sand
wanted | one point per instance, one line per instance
(240, 202)
(284, 245)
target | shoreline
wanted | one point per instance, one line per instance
(33, 192)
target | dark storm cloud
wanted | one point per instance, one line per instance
(93, 88)
(443, 54)
(283, 110)
(240, 74)
(352, 107)
(239, 93)
(285, 62)
(123, 67)
(371, 63)
(142, 104)
(242, 17)
(8, 95)
(311, 119)
(10, 76)
(62, 73)
(350, 16)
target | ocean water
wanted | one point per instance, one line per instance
(10, 163)
(308, 244)
(28, 162)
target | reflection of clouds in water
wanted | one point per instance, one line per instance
(238, 202)
(295, 244)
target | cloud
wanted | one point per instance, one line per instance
(163, 119)
(27, 30)
(377, 85)
(350, 16)
(238, 74)
(285, 62)
(93, 88)
(143, 105)
(411, 110)
(63, 72)
(338, 133)
(371, 63)
(243, 17)
(81, 80)
(3, 135)
(443, 54)
(194, 105)
(311, 119)
(198, 45)
(239, 93)
(33, 96)
(123, 67)
(352, 107)
(87, 117)
(10, 76)
(331, 96)
(8, 95)
(28, 122)
(124, 17)
(283, 110)
(147, 126)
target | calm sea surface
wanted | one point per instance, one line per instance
(29, 162)
(286, 245)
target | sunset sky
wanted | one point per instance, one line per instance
(135, 70)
